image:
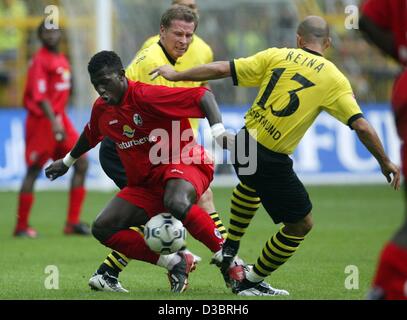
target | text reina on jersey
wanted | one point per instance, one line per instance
(299, 59)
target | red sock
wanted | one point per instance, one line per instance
(132, 245)
(200, 225)
(25, 202)
(76, 197)
(391, 274)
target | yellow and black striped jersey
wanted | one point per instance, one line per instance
(295, 86)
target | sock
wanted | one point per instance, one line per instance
(25, 202)
(115, 262)
(131, 244)
(76, 197)
(244, 204)
(201, 227)
(276, 252)
(218, 223)
(391, 274)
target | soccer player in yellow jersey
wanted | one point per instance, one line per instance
(295, 86)
(173, 46)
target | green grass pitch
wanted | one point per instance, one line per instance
(351, 225)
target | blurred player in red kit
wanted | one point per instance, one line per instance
(384, 22)
(49, 133)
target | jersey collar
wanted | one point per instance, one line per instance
(171, 60)
(312, 51)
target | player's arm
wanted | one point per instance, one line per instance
(209, 71)
(383, 39)
(60, 167)
(39, 89)
(368, 136)
(88, 139)
(57, 128)
(211, 110)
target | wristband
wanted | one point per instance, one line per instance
(217, 129)
(68, 160)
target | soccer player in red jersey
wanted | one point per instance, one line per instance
(384, 22)
(167, 170)
(49, 132)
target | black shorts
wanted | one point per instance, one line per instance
(281, 192)
(111, 163)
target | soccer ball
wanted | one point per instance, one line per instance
(164, 234)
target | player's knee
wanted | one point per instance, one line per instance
(307, 226)
(100, 231)
(300, 228)
(177, 205)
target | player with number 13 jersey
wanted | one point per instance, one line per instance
(295, 86)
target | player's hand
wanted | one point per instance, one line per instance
(166, 71)
(58, 130)
(389, 169)
(56, 169)
(226, 140)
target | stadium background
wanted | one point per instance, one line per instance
(350, 217)
(234, 28)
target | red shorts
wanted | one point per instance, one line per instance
(399, 105)
(40, 141)
(391, 275)
(150, 197)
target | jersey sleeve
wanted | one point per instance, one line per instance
(134, 71)
(141, 66)
(377, 11)
(149, 42)
(249, 72)
(92, 131)
(173, 103)
(38, 80)
(342, 104)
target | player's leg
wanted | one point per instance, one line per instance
(180, 200)
(206, 202)
(390, 280)
(111, 164)
(40, 144)
(76, 198)
(77, 190)
(25, 202)
(112, 227)
(244, 205)
(286, 200)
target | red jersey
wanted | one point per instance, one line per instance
(143, 127)
(392, 16)
(49, 78)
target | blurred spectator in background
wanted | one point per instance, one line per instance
(11, 37)
(384, 22)
(49, 132)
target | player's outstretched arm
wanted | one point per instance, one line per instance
(368, 136)
(210, 71)
(211, 110)
(61, 166)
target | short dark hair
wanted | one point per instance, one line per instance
(42, 27)
(178, 12)
(103, 59)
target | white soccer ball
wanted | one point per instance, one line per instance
(164, 234)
